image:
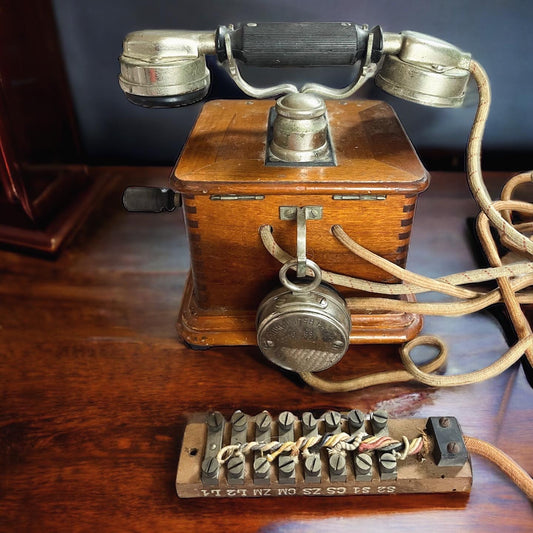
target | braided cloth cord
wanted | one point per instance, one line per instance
(511, 278)
(412, 371)
(507, 465)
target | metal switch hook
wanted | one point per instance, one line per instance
(301, 241)
(301, 215)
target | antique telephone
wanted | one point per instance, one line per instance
(314, 185)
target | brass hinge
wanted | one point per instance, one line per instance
(359, 197)
(237, 197)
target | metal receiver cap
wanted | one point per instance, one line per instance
(164, 68)
(427, 71)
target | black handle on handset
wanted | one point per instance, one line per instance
(299, 44)
(150, 199)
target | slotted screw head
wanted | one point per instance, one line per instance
(356, 418)
(238, 420)
(363, 463)
(215, 420)
(313, 465)
(285, 420)
(453, 447)
(263, 421)
(261, 467)
(332, 418)
(337, 463)
(210, 466)
(387, 462)
(236, 466)
(309, 421)
(444, 422)
(286, 464)
(380, 418)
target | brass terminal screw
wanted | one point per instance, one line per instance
(387, 462)
(261, 467)
(363, 463)
(286, 465)
(309, 421)
(285, 420)
(263, 421)
(210, 467)
(239, 419)
(312, 465)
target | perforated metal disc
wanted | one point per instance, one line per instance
(303, 333)
(303, 343)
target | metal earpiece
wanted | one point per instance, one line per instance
(166, 68)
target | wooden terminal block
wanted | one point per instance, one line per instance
(357, 454)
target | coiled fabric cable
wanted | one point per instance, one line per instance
(511, 278)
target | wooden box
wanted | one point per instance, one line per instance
(228, 193)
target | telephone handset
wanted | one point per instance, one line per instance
(168, 68)
(251, 171)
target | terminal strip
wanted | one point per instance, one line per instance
(328, 454)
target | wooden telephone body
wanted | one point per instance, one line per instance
(228, 193)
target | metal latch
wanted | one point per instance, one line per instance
(301, 215)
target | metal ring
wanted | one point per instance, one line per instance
(300, 287)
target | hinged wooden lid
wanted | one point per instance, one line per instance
(226, 153)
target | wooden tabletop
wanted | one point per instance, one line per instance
(96, 391)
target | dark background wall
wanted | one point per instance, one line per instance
(496, 32)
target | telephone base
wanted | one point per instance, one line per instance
(200, 328)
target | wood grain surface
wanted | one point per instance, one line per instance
(96, 391)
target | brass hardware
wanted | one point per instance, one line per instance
(359, 197)
(237, 197)
(301, 215)
(312, 212)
